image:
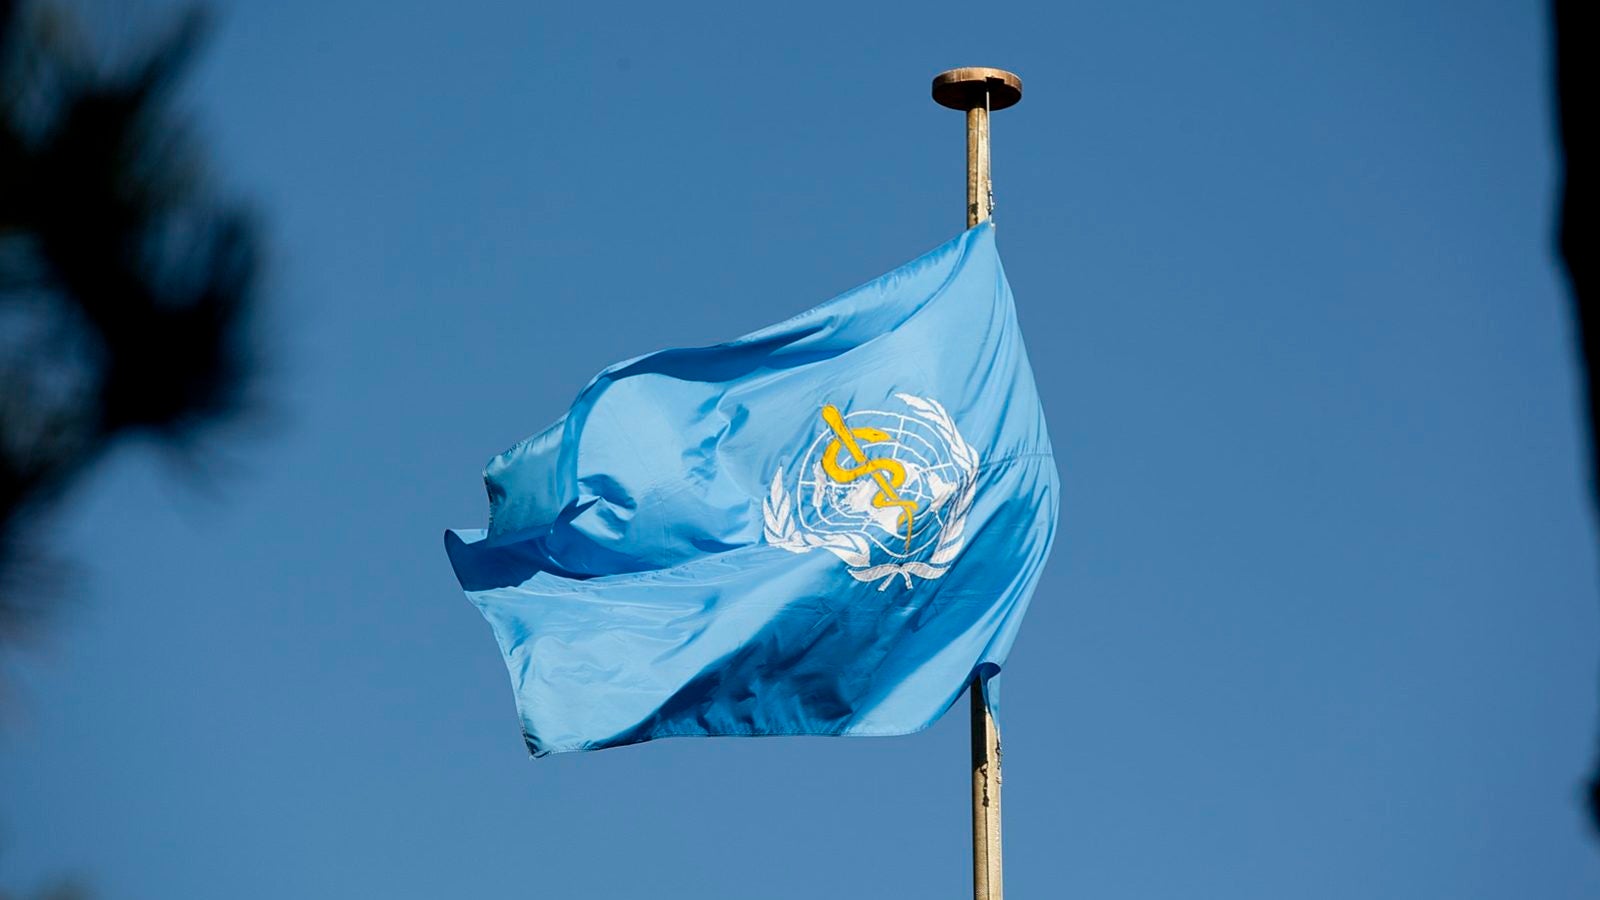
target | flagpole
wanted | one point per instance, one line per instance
(978, 92)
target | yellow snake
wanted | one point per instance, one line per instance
(888, 473)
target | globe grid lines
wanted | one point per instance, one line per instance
(825, 516)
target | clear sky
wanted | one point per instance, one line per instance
(1321, 621)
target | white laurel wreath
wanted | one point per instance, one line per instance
(853, 549)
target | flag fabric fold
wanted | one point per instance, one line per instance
(828, 526)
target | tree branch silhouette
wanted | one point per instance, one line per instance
(1575, 79)
(125, 288)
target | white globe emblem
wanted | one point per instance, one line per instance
(886, 491)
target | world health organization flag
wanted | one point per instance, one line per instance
(829, 526)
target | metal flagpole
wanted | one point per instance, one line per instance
(978, 92)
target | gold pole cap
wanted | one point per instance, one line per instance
(965, 88)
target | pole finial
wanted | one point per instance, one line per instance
(965, 88)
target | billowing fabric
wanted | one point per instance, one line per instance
(829, 526)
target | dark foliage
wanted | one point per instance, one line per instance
(125, 291)
(1575, 80)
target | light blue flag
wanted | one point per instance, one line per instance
(829, 526)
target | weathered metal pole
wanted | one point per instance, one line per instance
(978, 92)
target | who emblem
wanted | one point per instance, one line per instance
(888, 492)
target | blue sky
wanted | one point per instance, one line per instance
(1321, 620)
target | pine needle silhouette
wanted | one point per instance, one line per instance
(125, 291)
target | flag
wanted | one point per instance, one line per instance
(829, 526)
